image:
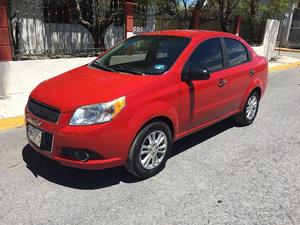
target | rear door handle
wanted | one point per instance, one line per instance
(251, 72)
(222, 82)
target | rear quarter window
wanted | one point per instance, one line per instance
(237, 52)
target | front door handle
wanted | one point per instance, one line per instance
(222, 83)
(251, 72)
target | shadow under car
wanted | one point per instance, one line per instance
(52, 171)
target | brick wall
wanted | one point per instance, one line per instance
(5, 43)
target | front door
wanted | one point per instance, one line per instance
(203, 101)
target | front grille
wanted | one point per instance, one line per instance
(43, 111)
(46, 143)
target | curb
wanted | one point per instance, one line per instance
(20, 120)
(284, 67)
(12, 122)
(288, 50)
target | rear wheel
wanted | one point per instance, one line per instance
(150, 150)
(247, 116)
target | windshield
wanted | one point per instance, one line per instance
(143, 55)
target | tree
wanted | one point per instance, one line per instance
(99, 19)
(253, 21)
(200, 4)
(256, 12)
(175, 10)
(227, 9)
(276, 8)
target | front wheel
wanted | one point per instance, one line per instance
(150, 150)
(247, 116)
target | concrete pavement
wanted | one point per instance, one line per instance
(221, 175)
(290, 54)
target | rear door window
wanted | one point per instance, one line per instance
(237, 52)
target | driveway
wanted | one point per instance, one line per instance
(221, 175)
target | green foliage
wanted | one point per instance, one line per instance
(245, 8)
(172, 7)
(272, 9)
(276, 8)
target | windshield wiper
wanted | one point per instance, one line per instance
(127, 69)
(98, 65)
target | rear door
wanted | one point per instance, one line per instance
(238, 70)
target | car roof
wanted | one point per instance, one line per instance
(188, 33)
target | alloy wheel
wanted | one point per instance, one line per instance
(251, 107)
(153, 149)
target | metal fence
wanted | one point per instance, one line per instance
(150, 18)
(294, 37)
(62, 28)
(253, 34)
(67, 28)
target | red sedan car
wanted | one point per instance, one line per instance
(129, 105)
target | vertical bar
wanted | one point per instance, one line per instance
(76, 39)
(27, 30)
(43, 26)
(128, 17)
(49, 24)
(88, 19)
(70, 26)
(56, 30)
(35, 35)
(94, 28)
(5, 41)
(237, 25)
(63, 15)
(196, 19)
(17, 32)
(117, 24)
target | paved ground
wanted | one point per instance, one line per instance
(221, 175)
(281, 58)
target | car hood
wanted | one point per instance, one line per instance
(85, 86)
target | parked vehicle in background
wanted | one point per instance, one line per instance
(129, 105)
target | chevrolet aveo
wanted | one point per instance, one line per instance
(130, 104)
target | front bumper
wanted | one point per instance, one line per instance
(109, 141)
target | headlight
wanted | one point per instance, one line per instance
(98, 113)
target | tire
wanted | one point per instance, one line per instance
(137, 163)
(243, 118)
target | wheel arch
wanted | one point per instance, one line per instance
(258, 90)
(163, 119)
(158, 111)
(256, 85)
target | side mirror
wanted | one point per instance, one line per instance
(194, 73)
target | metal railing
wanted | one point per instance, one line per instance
(63, 28)
(150, 18)
(68, 28)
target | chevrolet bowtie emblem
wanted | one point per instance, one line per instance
(34, 121)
